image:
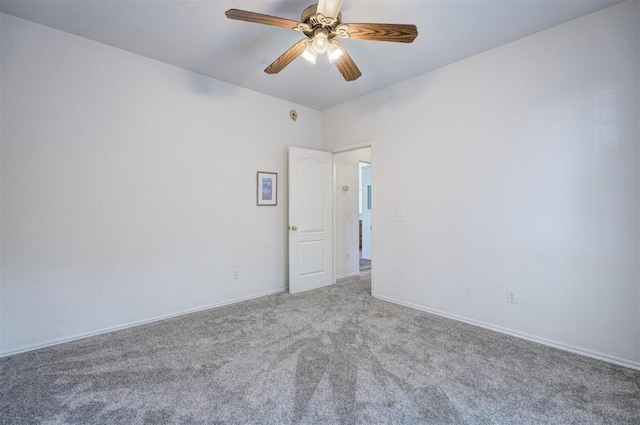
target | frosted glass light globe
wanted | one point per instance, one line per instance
(334, 53)
(310, 54)
(320, 42)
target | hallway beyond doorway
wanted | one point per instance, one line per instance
(364, 264)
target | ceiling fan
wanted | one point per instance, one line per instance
(322, 25)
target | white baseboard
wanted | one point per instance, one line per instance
(342, 276)
(136, 323)
(576, 350)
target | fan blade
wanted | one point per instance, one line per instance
(287, 57)
(329, 8)
(345, 64)
(400, 33)
(259, 18)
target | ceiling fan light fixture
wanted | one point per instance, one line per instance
(320, 42)
(334, 53)
(322, 25)
(310, 54)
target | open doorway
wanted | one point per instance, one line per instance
(365, 204)
(353, 208)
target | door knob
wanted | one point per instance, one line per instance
(294, 228)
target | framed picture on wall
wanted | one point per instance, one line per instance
(267, 188)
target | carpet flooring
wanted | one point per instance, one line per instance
(332, 356)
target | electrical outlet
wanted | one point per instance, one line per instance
(236, 274)
(511, 297)
(400, 215)
(348, 256)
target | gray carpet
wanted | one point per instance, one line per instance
(331, 356)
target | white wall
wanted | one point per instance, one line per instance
(517, 169)
(347, 211)
(129, 187)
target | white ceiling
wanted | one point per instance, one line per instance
(196, 35)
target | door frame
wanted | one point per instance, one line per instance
(374, 202)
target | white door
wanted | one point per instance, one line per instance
(366, 212)
(310, 219)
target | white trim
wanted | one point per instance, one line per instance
(354, 147)
(342, 276)
(566, 347)
(334, 247)
(137, 323)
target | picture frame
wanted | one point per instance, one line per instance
(267, 189)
